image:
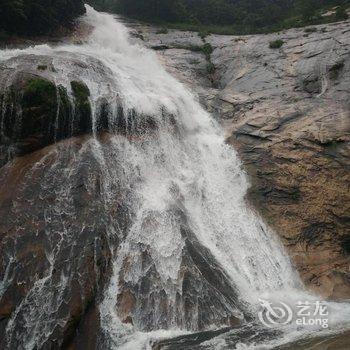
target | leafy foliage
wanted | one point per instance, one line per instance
(33, 17)
(276, 44)
(239, 16)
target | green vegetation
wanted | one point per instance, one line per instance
(36, 17)
(341, 14)
(210, 68)
(276, 44)
(80, 91)
(38, 104)
(335, 70)
(310, 30)
(207, 49)
(203, 34)
(81, 95)
(229, 16)
(38, 92)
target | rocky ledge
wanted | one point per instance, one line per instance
(284, 102)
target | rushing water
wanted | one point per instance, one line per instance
(184, 165)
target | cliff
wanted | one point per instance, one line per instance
(284, 102)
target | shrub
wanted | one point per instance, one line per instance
(335, 70)
(37, 16)
(276, 44)
(203, 34)
(207, 49)
(310, 30)
(341, 14)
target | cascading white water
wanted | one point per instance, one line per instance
(191, 168)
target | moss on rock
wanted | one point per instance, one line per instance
(39, 106)
(80, 90)
(36, 113)
(83, 112)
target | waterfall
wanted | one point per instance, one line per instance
(182, 189)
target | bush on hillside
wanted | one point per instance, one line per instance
(35, 17)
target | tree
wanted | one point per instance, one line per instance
(341, 14)
(307, 9)
(38, 16)
(12, 12)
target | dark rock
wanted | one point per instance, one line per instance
(159, 47)
(249, 333)
(345, 244)
(56, 243)
(83, 115)
(312, 85)
(38, 113)
(55, 257)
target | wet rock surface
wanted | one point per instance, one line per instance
(55, 257)
(287, 113)
(40, 107)
(36, 111)
(65, 209)
(58, 235)
(225, 338)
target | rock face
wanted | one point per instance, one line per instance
(53, 271)
(66, 211)
(287, 112)
(35, 111)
